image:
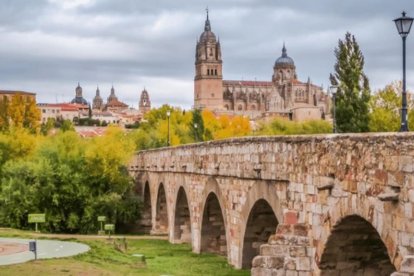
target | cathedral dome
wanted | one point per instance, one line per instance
(208, 36)
(284, 59)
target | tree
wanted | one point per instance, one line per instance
(353, 92)
(19, 111)
(223, 127)
(279, 126)
(67, 126)
(385, 107)
(4, 114)
(197, 126)
(72, 180)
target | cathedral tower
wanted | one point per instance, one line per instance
(144, 102)
(97, 100)
(208, 81)
(112, 96)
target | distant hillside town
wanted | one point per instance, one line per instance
(113, 111)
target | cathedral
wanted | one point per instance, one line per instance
(283, 96)
(112, 104)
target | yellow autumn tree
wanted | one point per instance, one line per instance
(222, 127)
(18, 112)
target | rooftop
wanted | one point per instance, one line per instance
(17, 92)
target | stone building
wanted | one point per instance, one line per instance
(9, 94)
(284, 95)
(144, 102)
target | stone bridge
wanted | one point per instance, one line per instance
(297, 205)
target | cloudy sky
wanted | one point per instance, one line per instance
(47, 46)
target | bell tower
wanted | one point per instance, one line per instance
(208, 81)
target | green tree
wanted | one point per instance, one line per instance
(67, 125)
(197, 126)
(72, 180)
(353, 93)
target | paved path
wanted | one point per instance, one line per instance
(46, 249)
(88, 237)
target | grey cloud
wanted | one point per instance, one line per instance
(151, 43)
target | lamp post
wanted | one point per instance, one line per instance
(333, 89)
(195, 131)
(403, 25)
(168, 135)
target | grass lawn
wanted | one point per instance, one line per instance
(161, 258)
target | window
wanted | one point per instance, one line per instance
(300, 95)
(215, 72)
(240, 107)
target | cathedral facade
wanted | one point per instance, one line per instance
(283, 96)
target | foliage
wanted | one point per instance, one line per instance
(223, 126)
(153, 131)
(197, 126)
(281, 126)
(72, 180)
(67, 125)
(353, 92)
(384, 107)
(19, 111)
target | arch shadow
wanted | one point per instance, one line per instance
(213, 227)
(161, 212)
(260, 225)
(355, 246)
(146, 215)
(182, 218)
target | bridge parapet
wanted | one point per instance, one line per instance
(319, 181)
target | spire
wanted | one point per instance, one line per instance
(284, 52)
(97, 91)
(207, 27)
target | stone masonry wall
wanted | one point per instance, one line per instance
(311, 182)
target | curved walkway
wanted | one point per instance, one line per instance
(17, 250)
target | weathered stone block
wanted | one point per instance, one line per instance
(406, 164)
(297, 251)
(274, 262)
(407, 264)
(303, 264)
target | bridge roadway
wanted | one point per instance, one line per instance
(287, 205)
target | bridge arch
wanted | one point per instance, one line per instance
(182, 218)
(260, 190)
(213, 227)
(161, 211)
(261, 223)
(354, 245)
